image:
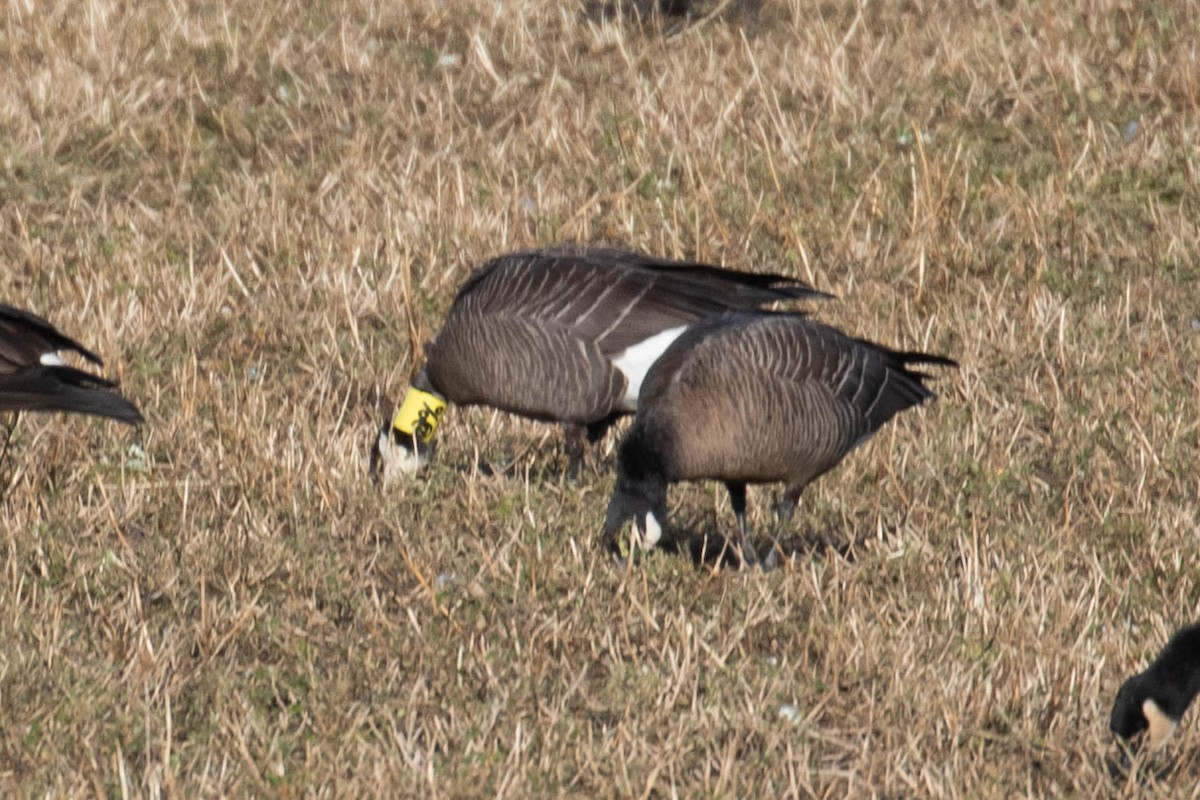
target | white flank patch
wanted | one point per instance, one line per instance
(51, 359)
(634, 362)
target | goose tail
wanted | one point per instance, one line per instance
(57, 388)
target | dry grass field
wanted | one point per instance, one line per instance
(258, 211)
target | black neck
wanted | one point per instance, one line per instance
(642, 457)
(1176, 671)
(421, 381)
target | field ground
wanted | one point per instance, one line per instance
(257, 211)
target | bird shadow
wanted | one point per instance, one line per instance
(696, 540)
(1138, 768)
(715, 550)
(640, 12)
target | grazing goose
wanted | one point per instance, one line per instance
(563, 334)
(1157, 698)
(755, 398)
(33, 378)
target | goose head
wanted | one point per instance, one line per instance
(1137, 709)
(645, 505)
(405, 443)
(640, 494)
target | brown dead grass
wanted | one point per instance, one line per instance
(257, 210)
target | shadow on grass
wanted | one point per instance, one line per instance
(1139, 769)
(715, 550)
(695, 540)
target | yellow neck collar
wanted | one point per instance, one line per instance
(419, 415)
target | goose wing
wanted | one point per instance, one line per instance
(59, 388)
(615, 297)
(869, 379)
(539, 369)
(29, 384)
(26, 337)
(775, 396)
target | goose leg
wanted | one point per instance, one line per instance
(8, 432)
(783, 520)
(573, 444)
(573, 438)
(596, 430)
(784, 512)
(737, 498)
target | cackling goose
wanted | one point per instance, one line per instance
(564, 334)
(755, 398)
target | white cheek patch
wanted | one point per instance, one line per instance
(635, 361)
(1162, 727)
(398, 461)
(51, 359)
(653, 532)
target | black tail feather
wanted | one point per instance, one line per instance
(58, 388)
(904, 359)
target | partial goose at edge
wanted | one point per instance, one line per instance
(34, 378)
(1156, 699)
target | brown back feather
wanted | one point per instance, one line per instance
(614, 297)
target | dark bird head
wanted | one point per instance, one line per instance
(405, 443)
(640, 494)
(1156, 699)
(1137, 710)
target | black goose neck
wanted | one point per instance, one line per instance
(642, 457)
(1177, 672)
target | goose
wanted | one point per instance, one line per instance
(755, 398)
(34, 378)
(562, 334)
(1156, 699)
